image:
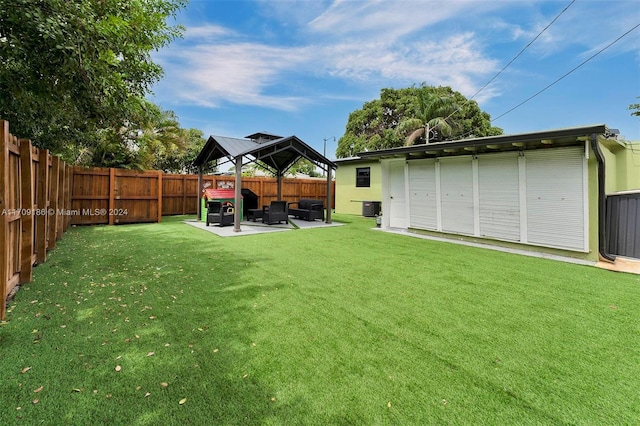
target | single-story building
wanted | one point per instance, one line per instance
(543, 191)
(358, 181)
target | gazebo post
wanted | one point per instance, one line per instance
(328, 194)
(238, 195)
(279, 174)
(199, 194)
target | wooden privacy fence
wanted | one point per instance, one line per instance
(34, 202)
(113, 196)
(40, 196)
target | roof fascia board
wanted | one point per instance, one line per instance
(493, 140)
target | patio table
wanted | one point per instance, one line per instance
(253, 214)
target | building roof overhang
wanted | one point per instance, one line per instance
(514, 142)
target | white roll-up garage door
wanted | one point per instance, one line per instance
(423, 195)
(456, 187)
(538, 199)
(499, 196)
(556, 198)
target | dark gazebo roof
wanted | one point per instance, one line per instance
(272, 151)
(275, 152)
(263, 136)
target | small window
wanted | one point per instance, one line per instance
(363, 177)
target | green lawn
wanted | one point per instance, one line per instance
(342, 325)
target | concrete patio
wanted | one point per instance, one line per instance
(253, 228)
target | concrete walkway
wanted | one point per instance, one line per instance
(253, 228)
(490, 247)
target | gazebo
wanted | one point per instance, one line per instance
(276, 153)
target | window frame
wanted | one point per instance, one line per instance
(363, 180)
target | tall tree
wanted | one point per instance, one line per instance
(158, 138)
(383, 123)
(73, 70)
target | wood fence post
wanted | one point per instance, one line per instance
(26, 205)
(112, 195)
(67, 197)
(4, 190)
(53, 201)
(159, 196)
(59, 216)
(42, 205)
(184, 194)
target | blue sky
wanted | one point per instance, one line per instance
(299, 67)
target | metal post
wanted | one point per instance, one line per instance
(238, 196)
(324, 149)
(328, 194)
(199, 193)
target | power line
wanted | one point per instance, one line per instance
(568, 73)
(512, 60)
(523, 49)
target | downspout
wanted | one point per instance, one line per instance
(602, 201)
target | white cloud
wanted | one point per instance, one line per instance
(206, 32)
(241, 73)
(454, 61)
(389, 20)
(244, 73)
(381, 43)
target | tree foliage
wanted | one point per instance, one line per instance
(400, 115)
(75, 72)
(152, 139)
(432, 119)
(302, 166)
(305, 167)
(181, 160)
(635, 108)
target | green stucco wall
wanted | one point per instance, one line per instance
(349, 198)
(622, 166)
(628, 169)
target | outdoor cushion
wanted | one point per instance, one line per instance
(308, 209)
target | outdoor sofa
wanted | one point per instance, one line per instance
(307, 209)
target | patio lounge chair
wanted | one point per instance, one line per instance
(217, 213)
(275, 213)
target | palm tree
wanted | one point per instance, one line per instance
(432, 120)
(159, 136)
(144, 142)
